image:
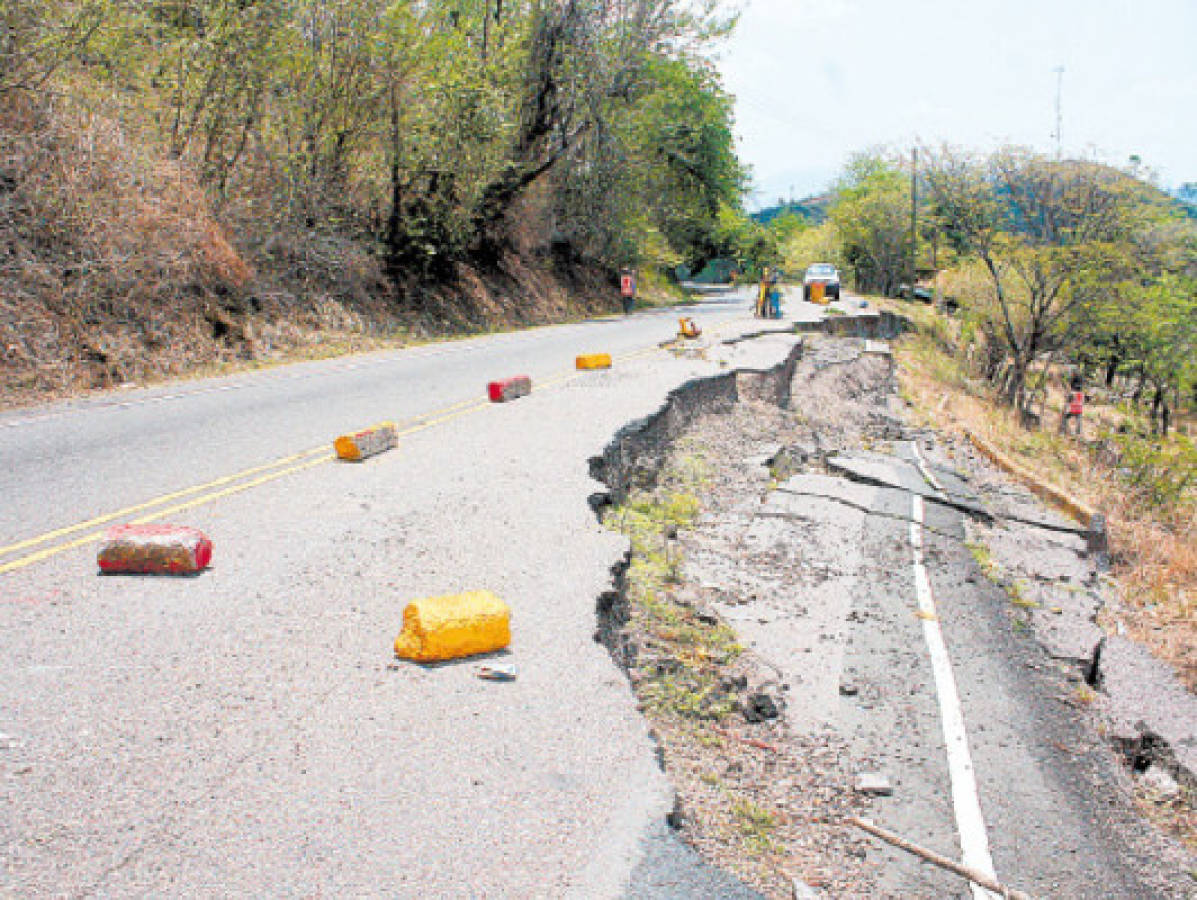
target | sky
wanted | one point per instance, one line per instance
(817, 80)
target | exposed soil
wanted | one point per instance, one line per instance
(761, 799)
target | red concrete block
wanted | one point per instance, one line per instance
(509, 388)
(154, 550)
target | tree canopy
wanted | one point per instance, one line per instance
(442, 130)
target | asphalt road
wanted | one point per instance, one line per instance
(854, 578)
(125, 447)
(247, 731)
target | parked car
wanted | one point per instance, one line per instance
(825, 274)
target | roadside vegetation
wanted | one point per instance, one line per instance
(1042, 272)
(188, 182)
(1151, 521)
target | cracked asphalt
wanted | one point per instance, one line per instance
(812, 566)
(247, 732)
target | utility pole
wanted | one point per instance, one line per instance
(914, 217)
(1059, 70)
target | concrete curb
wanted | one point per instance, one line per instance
(1079, 510)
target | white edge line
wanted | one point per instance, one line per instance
(926, 472)
(970, 824)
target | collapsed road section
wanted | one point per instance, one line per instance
(809, 628)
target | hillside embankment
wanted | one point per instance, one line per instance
(117, 268)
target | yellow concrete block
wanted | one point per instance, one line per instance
(594, 361)
(367, 442)
(453, 626)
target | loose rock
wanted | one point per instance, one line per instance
(1159, 785)
(760, 707)
(873, 784)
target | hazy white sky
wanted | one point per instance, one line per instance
(816, 80)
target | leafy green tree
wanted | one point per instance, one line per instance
(437, 131)
(871, 215)
(39, 37)
(1054, 237)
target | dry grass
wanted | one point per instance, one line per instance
(116, 267)
(1154, 550)
(111, 264)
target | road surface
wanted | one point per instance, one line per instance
(247, 731)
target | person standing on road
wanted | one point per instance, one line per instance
(762, 299)
(627, 289)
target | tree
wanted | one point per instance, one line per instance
(587, 61)
(38, 37)
(871, 215)
(1055, 239)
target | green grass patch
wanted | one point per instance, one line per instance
(1018, 598)
(983, 558)
(682, 657)
(756, 826)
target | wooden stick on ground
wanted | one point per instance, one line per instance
(942, 861)
(750, 741)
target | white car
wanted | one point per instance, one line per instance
(825, 274)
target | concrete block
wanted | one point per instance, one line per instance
(509, 389)
(593, 361)
(453, 626)
(368, 442)
(873, 784)
(154, 550)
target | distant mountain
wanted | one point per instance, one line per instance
(813, 209)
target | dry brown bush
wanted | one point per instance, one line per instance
(111, 264)
(117, 266)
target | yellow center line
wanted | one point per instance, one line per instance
(235, 489)
(165, 498)
(279, 468)
(425, 424)
(32, 558)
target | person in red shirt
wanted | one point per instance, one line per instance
(1074, 406)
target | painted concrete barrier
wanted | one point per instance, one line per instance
(509, 389)
(453, 626)
(368, 442)
(154, 550)
(593, 361)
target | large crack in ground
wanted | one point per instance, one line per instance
(715, 492)
(755, 796)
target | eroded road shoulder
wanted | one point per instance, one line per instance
(792, 658)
